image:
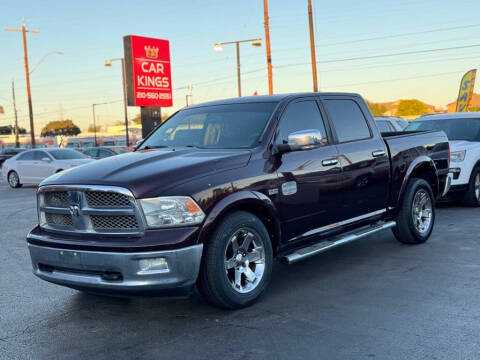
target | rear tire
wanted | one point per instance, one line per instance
(13, 179)
(237, 262)
(472, 196)
(417, 213)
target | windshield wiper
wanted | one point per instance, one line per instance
(148, 147)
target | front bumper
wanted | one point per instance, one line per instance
(118, 273)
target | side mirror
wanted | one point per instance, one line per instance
(300, 140)
(46, 159)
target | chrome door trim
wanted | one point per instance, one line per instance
(338, 224)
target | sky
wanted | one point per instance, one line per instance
(385, 50)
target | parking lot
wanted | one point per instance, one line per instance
(375, 298)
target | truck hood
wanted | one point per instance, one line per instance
(458, 145)
(148, 173)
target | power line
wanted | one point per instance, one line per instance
(384, 55)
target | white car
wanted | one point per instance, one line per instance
(33, 166)
(390, 123)
(463, 131)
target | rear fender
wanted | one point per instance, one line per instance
(423, 167)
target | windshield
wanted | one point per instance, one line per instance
(215, 127)
(66, 154)
(456, 129)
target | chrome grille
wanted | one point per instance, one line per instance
(106, 199)
(59, 220)
(89, 209)
(56, 198)
(102, 222)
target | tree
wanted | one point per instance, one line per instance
(376, 108)
(411, 107)
(92, 128)
(137, 120)
(60, 128)
(10, 130)
(474, 108)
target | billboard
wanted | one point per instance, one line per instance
(466, 90)
(147, 71)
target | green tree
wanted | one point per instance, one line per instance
(137, 120)
(92, 128)
(474, 108)
(60, 128)
(411, 107)
(376, 108)
(10, 130)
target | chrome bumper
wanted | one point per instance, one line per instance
(121, 273)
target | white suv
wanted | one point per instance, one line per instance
(463, 131)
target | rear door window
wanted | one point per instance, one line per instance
(348, 120)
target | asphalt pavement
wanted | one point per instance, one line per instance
(372, 299)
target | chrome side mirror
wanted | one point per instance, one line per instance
(304, 139)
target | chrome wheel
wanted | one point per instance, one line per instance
(245, 260)
(422, 211)
(13, 179)
(476, 187)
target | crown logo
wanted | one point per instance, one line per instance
(151, 52)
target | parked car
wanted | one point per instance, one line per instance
(102, 152)
(463, 131)
(220, 189)
(7, 153)
(390, 123)
(33, 166)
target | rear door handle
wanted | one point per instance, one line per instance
(378, 153)
(329, 162)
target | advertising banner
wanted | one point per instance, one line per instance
(466, 90)
(147, 71)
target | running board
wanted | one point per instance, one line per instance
(322, 246)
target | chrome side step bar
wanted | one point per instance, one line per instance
(322, 246)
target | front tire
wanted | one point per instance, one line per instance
(472, 197)
(237, 262)
(417, 213)
(13, 180)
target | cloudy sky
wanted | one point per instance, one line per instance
(385, 50)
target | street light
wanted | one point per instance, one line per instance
(43, 58)
(108, 63)
(219, 47)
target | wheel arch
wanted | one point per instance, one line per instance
(251, 201)
(422, 167)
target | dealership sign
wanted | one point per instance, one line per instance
(147, 71)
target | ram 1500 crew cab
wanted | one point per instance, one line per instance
(220, 189)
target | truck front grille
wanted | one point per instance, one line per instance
(89, 209)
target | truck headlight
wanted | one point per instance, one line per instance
(171, 211)
(457, 156)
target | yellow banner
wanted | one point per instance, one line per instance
(466, 90)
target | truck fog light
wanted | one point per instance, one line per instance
(153, 265)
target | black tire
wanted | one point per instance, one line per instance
(215, 282)
(13, 179)
(409, 228)
(472, 196)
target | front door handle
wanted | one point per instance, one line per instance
(378, 153)
(329, 162)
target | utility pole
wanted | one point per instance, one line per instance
(24, 31)
(125, 109)
(238, 70)
(94, 123)
(17, 141)
(267, 45)
(189, 97)
(312, 46)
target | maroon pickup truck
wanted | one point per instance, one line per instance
(220, 189)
